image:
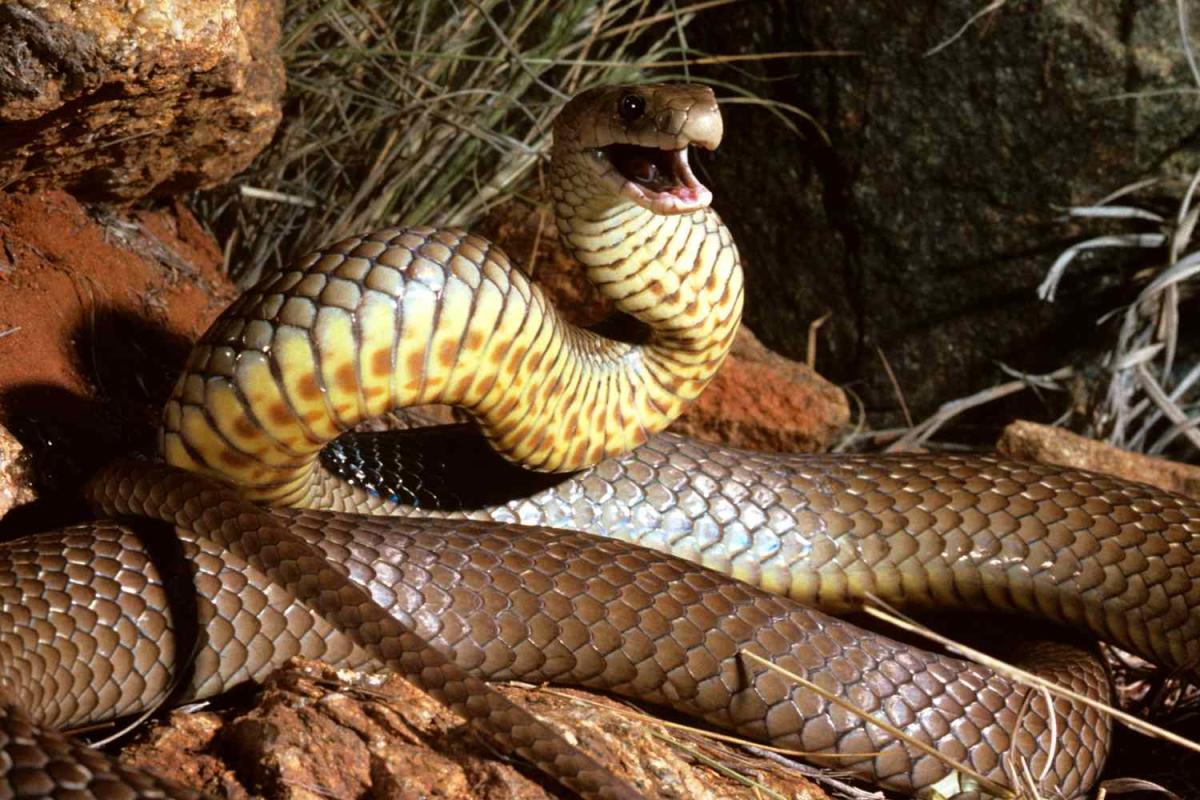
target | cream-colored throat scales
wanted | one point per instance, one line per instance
(406, 317)
(411, 316)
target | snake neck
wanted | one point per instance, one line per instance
(679, 275)
(408, 317)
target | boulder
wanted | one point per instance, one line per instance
(116, 101)
(924, 200)
(16, 484)
(1052, 445)
(317, 732)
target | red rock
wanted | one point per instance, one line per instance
(16, 484)
(762, 401)
(186, 748)
(318, 732)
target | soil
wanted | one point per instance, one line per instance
(97, 312)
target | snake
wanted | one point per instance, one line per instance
(565, 536)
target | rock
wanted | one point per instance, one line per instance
(935, 207)
(317, 732)
(16, 484)
(185, 748)
(100, 310)
(116, 101)
(758, 400)
(1051, 445)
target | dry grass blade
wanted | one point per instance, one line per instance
(821, 774)
(759, 789)
(279, 197)
(1127, 785)
(962, 769)
(1181, 424)
(917, 435)
(1144, 400)
(1049, 286)
(1182, 14)
(896, 389)
(645, 20)
(701, 732)
(814, 327)
(990, 8)
(780, 755)
(428, 112)
(416, 112)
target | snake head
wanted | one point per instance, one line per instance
(635, 139)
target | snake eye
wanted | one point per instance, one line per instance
(631, 107)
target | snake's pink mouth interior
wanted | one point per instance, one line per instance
(659, 179)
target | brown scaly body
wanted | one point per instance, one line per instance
(506, 603)
(1092, 551)
(416, 315)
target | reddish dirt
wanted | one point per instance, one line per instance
(97, 312)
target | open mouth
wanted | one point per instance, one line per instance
(657, 177)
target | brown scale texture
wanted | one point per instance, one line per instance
(323, 600)
(38, 762)
(1119, 558)
(474, 600)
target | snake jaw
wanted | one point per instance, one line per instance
(657, 179)
(631, 143)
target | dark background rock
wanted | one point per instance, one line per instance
(929, 217)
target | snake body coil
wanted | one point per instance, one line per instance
(94, 619)
(507, 603)
(409, 316)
